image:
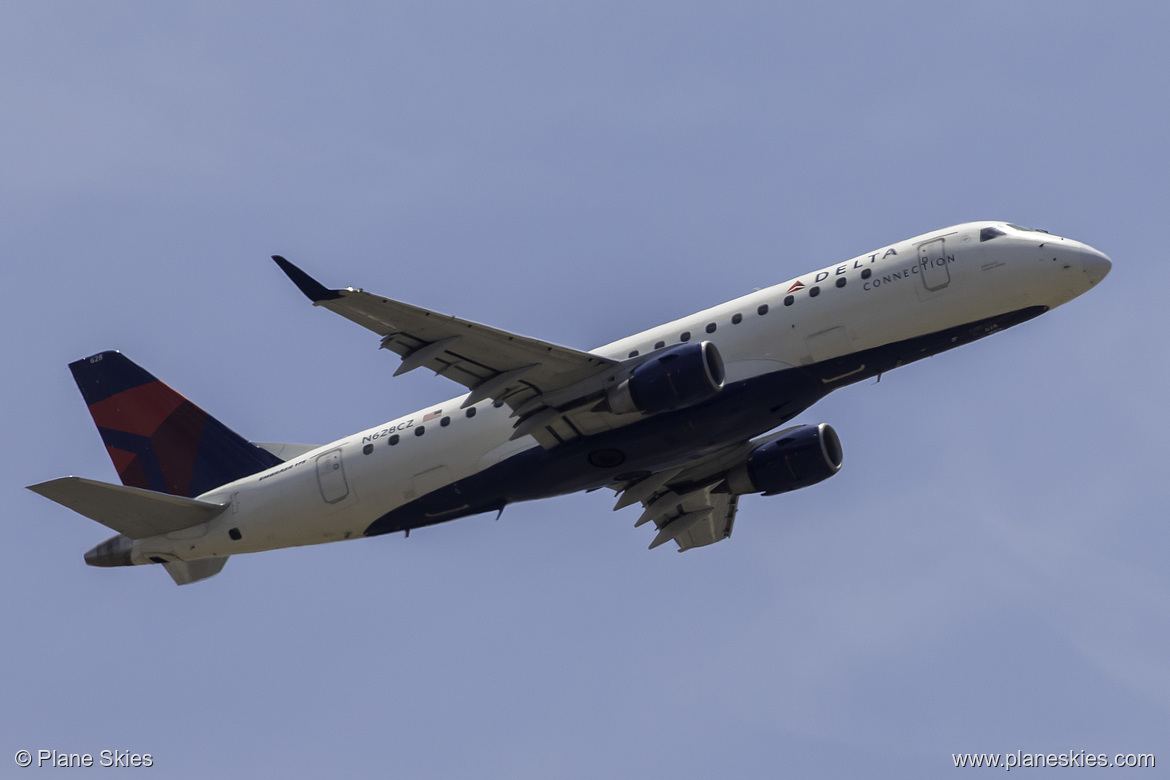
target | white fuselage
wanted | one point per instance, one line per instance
(920, 286)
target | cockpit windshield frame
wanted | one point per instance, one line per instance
(1026, 229)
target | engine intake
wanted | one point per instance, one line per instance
(675, 378)
(803, 456)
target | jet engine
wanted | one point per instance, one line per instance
(671, 379)
(803, 456)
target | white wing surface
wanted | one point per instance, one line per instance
(550, 388)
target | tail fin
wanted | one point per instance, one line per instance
(158, 439)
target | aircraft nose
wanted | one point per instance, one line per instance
(1096, 265)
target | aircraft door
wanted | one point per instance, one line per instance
(932, 265)
(331, 477)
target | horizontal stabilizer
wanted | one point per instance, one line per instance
(135, 512)
(186, 572)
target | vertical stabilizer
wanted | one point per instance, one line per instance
(158, 439)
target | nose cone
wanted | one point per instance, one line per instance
(1095, 265)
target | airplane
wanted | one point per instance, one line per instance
(681, 419)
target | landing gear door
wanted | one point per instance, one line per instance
(331, 477)
(932, 265)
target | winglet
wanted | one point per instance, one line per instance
(307, 284)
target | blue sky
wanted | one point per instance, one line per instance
(986, 574)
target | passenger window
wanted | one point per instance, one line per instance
(634, 353)
(736, 318)
(445, 422)
(762, 310)
(471, 412)
(366, 450)
(710, 327)
(393, 439)
(788, 300)
(660, 345)
(814, 291)
(841, 282)
(866, 273)
(420, 430)
(686, 336)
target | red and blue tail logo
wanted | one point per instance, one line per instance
(158, 439)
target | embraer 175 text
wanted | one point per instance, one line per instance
(675, 418)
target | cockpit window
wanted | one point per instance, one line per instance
(1025, 229)
(988, 233)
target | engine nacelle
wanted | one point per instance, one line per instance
(672, 379)
(803, 457)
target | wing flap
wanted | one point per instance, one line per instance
(135, 512)
(690, 504)
(693, 519)
(715, 526)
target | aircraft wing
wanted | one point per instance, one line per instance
(694, 519)
(690, 504)
(547, 386)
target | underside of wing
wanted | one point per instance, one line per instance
(551, 389)
(695, 519)
(689, 505)
(694, 504)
